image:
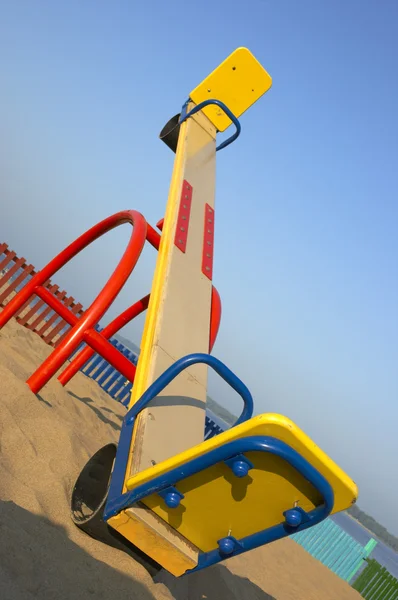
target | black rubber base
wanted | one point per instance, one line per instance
(88, 500)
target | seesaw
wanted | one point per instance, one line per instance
(183, 502)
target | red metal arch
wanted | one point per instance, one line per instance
(82, 329)
(141, 232)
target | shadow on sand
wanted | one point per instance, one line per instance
(214, 583)
(98, 411)
(39, 560)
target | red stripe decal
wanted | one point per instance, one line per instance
(184, 212)
(208, 241)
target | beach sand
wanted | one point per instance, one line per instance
(44, 442)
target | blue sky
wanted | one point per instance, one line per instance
(306, 205)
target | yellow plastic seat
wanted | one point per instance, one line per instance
(239, 81)
(216, 503)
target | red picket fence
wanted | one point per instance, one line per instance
(35, 314)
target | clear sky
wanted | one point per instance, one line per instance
(307, 218)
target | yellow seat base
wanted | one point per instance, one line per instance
(239, 82)
(217, 504)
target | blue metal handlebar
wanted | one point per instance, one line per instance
(184, 116)
(157, 386)
(184, 363)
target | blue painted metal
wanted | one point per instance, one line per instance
(118, 501)
(124, 396)
(295, 516)
(153, 391)
(121, 382)
(110, 384)
(228, 545)
(171, 496)
(240, 465)
(112, 374)
(184, 115)
(184, 363)
(93, 365)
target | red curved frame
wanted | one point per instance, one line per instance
(82, 328)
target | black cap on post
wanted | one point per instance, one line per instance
(170, 132)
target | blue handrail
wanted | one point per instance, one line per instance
(224, 107)
(184, 363)
(157, 386)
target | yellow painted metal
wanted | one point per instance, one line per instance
(239, 81)
(216, 502)
(151, 540)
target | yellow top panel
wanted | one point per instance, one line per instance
(239, 82)
(216, 502)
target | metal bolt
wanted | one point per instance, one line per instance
(293, 517)
(226, 546)
(207, 268)
(182, 228)
(172, 500)
(240, 468)
(180, 242)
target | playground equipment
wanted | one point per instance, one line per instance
(183, 502)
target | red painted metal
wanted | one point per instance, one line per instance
(22, 319)
(34, 311)
(82, 328)
(44, 327)
(160, 224)
(97, 341)
(105, 349)
(181, 234)
(152, 236)
(56, 305)
(78, 311)
(54, 334)
(128, 315)
(208, 242)
(103, 301)
(54, 331)
(86, 353)
(215, 317)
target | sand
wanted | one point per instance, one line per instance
(44, 442)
